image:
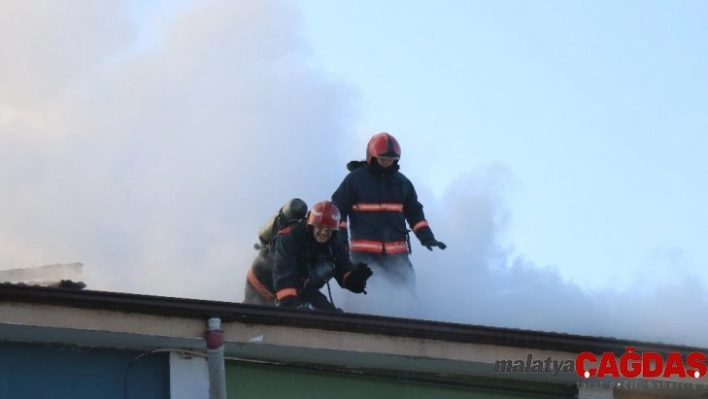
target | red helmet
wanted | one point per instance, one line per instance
(324, 214)
(383, 145)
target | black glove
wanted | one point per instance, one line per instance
(356, 281)
(431, 242)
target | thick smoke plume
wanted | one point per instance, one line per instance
(153, 157)
(479, 280)
(154, 164)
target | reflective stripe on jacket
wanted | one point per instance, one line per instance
(378, 203)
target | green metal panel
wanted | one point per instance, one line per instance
(251, 380)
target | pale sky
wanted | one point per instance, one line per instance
(555, 146)
(599, 110)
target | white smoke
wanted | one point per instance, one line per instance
(156, 167)
(478, 280)
(155, 164)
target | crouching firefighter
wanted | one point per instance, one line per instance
(307, 255)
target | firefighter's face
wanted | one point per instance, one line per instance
(322, 234)
(385, 162)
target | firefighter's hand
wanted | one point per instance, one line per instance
(431, 242)
(356, 280)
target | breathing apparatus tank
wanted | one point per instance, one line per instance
(292, 210)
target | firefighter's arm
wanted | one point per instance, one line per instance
(413, 212)
(343, 263)
(342, 198)
(287, 280)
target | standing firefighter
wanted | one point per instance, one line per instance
(378, 200)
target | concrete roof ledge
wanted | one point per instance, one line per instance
(345, 341)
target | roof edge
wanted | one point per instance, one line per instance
(351, 322)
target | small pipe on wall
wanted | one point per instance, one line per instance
(215, 356)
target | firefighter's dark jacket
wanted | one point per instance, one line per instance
(378, 202)
(295, 251)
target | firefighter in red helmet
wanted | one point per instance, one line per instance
(378, 200)
(307, 255)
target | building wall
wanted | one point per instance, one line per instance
(39, 371)
(251, 380)
(189, 376)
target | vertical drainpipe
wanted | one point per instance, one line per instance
(215, 356)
